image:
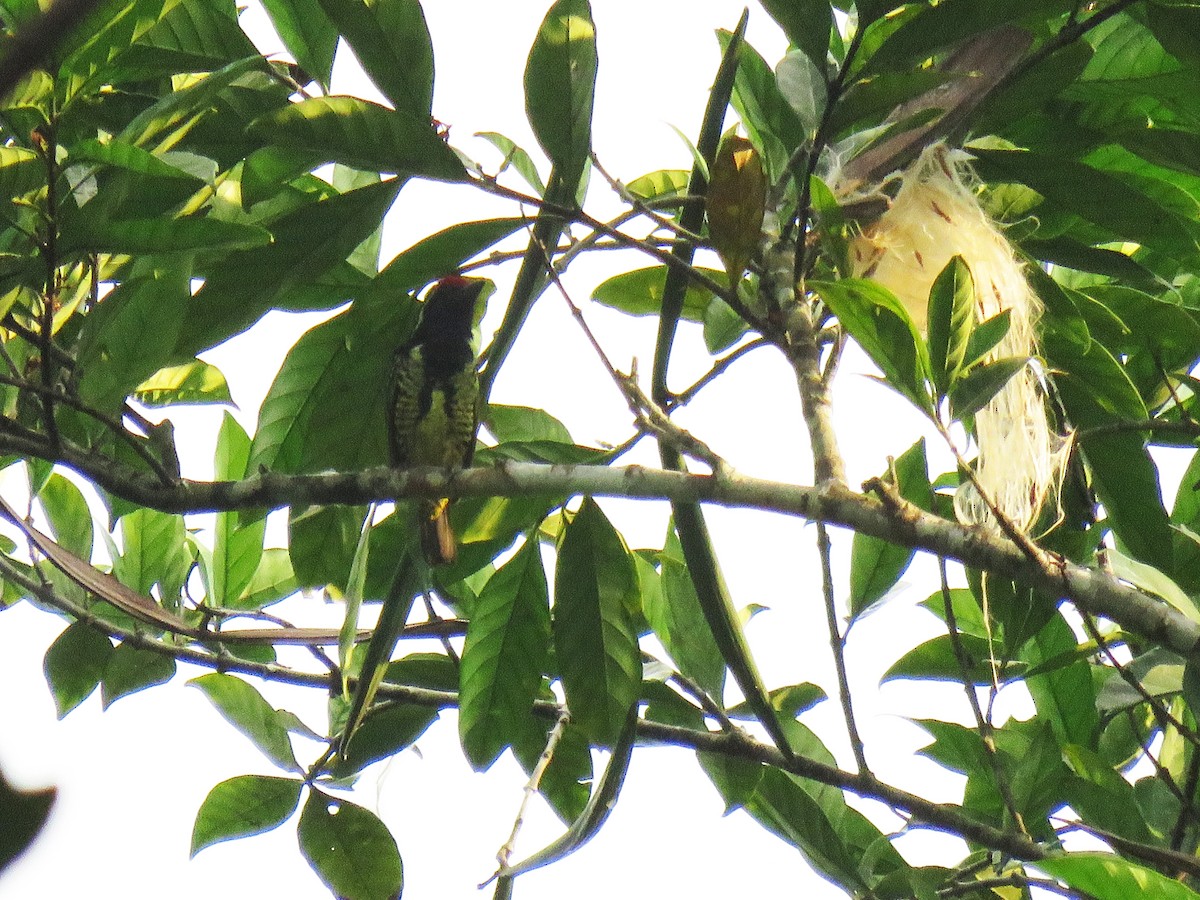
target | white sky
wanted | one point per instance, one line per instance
(130, 780)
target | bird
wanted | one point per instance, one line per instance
(434, 408)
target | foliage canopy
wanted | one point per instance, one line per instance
(169, 186)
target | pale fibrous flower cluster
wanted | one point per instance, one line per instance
(935, 215)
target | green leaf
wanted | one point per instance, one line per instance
(675, 615)
(1064, 697)
(101, 234)
(951, 312)
(735, 779)
(523, 423)
(560, 83)
(192, 382)
(131, 669)
(438, 254)
(155, 551)
(722, 327)
(594, 640)
(173, 115)
(516, 157)
(128, 156)
(307, 33)
(1101, 796)
(362, 134)
(807, 24)
(1185, 518)
(309, 243)
(131, 335)
(876, 565)
(355, 581)
(391, 40)
(984, 338)
(271, 582)
(246, 710)
(802, 84)
(321, 543)
(349, 849)
(656, 185)
(21, 171)
(767, 117)
(1175, 26)
(190, 37)
(869, 100)
(68, 514)
(948, 24)
(1095, 390)
(237, 549)
(507, 646)
(242, 806)
(101, 36)
(1152, 581)
(788, 811)
(384, 733)
(936, 660)
(74, 665)
(640, 292)
(1095, 195)
(974, 391)
(1108, 877)
(884, 329)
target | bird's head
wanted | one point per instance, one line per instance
(453, 308)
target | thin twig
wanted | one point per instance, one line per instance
(531, 787)
(837, 644)
(432, 614)
(642, 208)
(577, 215)
(687, 395)
(54, 395)
(986, 734)
(645, 411)
(1160, 711)
(1072, 31)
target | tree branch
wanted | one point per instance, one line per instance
(732, 744)
(898, 522)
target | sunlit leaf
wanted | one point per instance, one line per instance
(245, 709)
(560, 82)
(242, 806)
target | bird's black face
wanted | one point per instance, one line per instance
(449, 310)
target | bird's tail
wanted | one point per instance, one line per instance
(438, 542)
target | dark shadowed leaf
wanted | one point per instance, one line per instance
(24, 812)
(391, 41)
(307, 33)
(508, 642)
(594, 640)
(364, 135)
(975, 390)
